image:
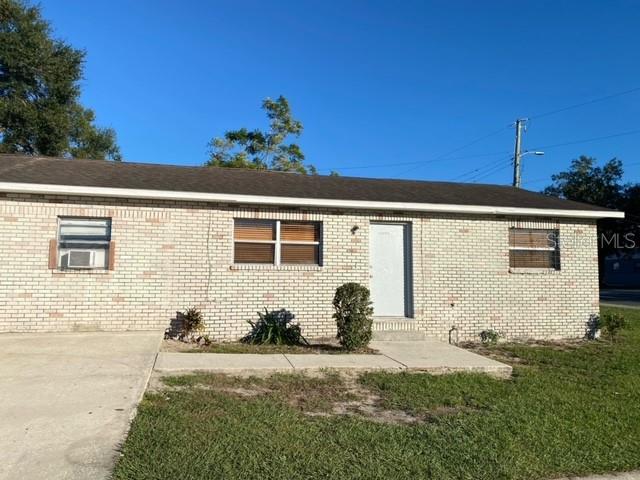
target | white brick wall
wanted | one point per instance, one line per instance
(173, 255)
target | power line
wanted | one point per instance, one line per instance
(575, 142)
(446, 154)
(589, 102)
(487, 169)
(381, 165)
(442, 157)
(587, 140)
(490, 172)
(480, 168)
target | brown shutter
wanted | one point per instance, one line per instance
(53, 254)
(112, 255)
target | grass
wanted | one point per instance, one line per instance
(568, 410)
(239, 347)
(304, 393)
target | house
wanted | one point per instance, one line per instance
(97, 245)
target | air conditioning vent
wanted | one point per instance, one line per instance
(80, 259)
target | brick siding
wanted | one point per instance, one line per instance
(173, 255)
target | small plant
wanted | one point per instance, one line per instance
(192, 322)
(275, 327)
(353, 315)
(612, 323)
(489, 336)
(204, 341)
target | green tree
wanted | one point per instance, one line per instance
(586, 182)
(40, 113)
(262, 150)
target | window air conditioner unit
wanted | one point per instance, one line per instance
(81, 259)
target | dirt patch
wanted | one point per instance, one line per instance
(502, 353)
(494, 352)
(568, 345)
(176, 346)
(325, 393)
(367, 405)
(245, 392)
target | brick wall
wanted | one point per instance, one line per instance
(172, 255)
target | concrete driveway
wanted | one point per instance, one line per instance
(66, 401)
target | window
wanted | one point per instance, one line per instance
(84, 243)
(534, 248)
(276, 242)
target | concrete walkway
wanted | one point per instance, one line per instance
(67, 399)
(425, 355)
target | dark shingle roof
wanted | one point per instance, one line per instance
(98, 173)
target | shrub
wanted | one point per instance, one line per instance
(489, 336)
(204, 340)
(275, 327)
(594, 327)
(353, 315)
(612, 323)
(192, 321)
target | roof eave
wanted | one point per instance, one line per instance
(46, 189)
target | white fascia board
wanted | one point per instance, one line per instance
(11, 187)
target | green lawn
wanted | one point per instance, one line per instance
(567, 410)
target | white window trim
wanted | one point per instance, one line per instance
(278, 242)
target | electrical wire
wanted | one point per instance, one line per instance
(382, 165)
(418, 164)
(489, 166)
(587, 140)
(479, 169)
(496, 169)
(631, 132)
(589, 102)
(457, 149)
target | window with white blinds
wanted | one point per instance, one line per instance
(276, 242)
(534, 248)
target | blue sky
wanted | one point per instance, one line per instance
(377, 84)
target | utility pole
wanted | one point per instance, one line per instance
(517, 155)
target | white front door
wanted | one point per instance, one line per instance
(388, 259)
